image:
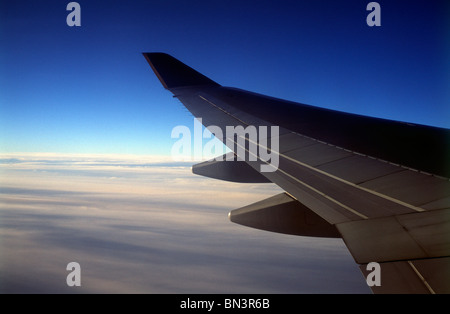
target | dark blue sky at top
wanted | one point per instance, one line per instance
(88, 89)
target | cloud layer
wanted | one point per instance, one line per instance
(149, 226)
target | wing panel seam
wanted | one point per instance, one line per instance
(313, 189)
(410, 263)
(389, 198)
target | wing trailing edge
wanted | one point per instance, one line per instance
(400, 237)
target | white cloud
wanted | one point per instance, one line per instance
(149, 226)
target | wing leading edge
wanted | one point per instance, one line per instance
(381, 185)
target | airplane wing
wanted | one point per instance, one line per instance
(381, 185)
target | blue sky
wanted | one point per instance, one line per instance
(89, 90)
(70, 94)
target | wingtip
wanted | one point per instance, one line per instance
(151, 54)
(173, 73)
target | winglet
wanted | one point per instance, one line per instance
(173, 73)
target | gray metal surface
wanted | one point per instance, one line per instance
(422, 276)
(227, 170)
(281, 213)
(383, 184)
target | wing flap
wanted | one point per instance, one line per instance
(368, 168)
(410, 186)
(318, 154)
(400, 237)
(422, 276)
